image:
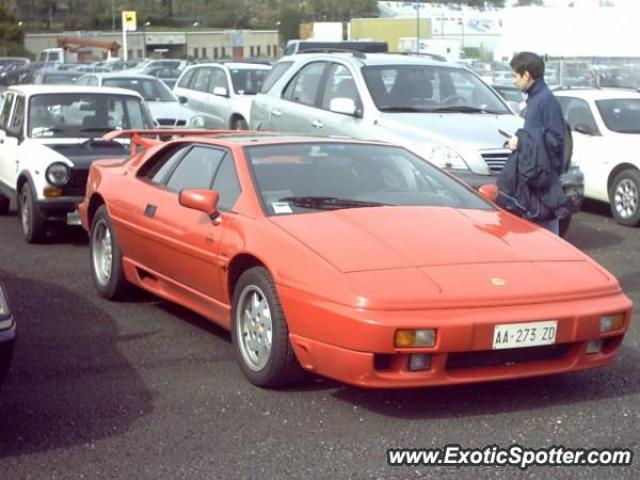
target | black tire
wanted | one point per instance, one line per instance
(564, 225)
(278, 367)
(4, 204)
(239, 124)
(624, 197)
(109, 280)
(34, 225)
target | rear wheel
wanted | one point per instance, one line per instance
(260, 333)
(4, 204)
(34, 225)
(623, 197)
(240, 124)
(106, 258)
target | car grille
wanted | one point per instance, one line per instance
(510, 356)
(171, 122)
(77, 183)
(495, 159)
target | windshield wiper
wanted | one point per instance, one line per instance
(404, 109)
(37, 131)
(463, 109)
(329, 203)
(96, 129)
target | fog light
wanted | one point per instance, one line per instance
(52, 192)
(594, 346)
(419, 361)
(415, 338)
(610, 323)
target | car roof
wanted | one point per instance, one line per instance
(373, 59)
(40, 89)
(275, 138)
(124, 74)
(234, 65)
(598, 93)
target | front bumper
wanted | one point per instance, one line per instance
(60, 209)
(356, 347)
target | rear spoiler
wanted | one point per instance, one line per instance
(138, 140)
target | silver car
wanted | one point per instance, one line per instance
(165, 107)
(222, 92)
(444, 112)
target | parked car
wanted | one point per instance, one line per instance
(442, 111)
(222, 92)
(512, 95)
(160, 62)
(56, 77)
(166, 74)
(49, 135)
(356, 260)
(164, 105)
(606, 139)
(7, 334)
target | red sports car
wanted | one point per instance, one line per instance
(359, 261)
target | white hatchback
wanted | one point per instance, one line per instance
(606, 140)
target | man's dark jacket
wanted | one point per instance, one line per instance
(529, 184)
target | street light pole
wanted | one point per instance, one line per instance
(418, 27)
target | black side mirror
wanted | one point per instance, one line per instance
(584, 129)
(182, 99)
(15, 132)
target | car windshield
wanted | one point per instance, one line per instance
(430, 88)
(621, 115)
(64, 115)
(151, 89)
(60, 78)
(307, 177)
(248, 81)
(510, 94)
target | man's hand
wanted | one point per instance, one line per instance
(512, 143)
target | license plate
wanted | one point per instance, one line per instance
(531, 334)
(73, 218)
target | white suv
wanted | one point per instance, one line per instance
(49, 135)
(606, 140)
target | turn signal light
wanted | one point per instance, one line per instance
(610, 323)
(415, 338)
(52, 192)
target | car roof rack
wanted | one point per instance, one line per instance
(140, 138)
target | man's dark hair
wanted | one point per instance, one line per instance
(528, 62)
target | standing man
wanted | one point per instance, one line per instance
(544, 116)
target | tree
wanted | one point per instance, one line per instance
(11, 34)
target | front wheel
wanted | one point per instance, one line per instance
(240, 124)
(260, 334)
(106, 258)
(623, 197)
(34, 225)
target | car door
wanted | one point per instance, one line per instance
(590, 150)
(197, 93)
(11, 122)
(332, 118)
(298, 109)
(217, 98)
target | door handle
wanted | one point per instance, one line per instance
(276, 113)
(317, 124)
(150, 210)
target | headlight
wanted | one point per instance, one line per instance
(445, 157)
(57, 174)
(197, 121)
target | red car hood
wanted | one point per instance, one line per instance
(409, 255)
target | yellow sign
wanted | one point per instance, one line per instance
(129, 21)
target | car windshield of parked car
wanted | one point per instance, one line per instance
(620, 115)
(152, 90)
(430, 88)
(61, 78)
(248, 81)
(306, 177)
(63, 115)
(510, 94)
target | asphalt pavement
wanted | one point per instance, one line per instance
(148, 390)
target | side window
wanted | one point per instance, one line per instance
(577, 112)
(18, 113)
(6, 110)
(226, 184)
(303, 88)
(219, 79)
(196, 169)
(340, 84)
(82, 81)
(186, 79)
(160, 167)
(201, 80)
(276, 72)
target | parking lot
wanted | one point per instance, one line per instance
(146, 389)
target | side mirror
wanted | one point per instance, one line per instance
(204, 200)
(584, 129)
(220, 91)
(15, 132)
(345, 106)
(183, 100)
(489, 191)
